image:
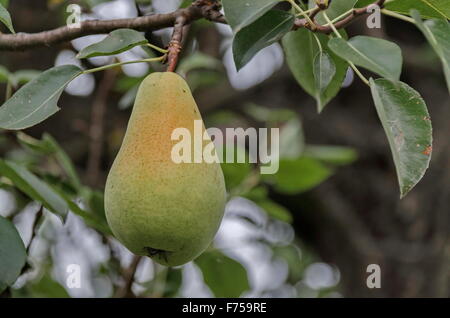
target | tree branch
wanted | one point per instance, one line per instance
(327, 29)
(199, 9)
(208, 9)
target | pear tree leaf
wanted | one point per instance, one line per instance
(335, 9)
(4, 74)
(64, 160)
(265, 31)
(324, 71)
(334, 155)
(37, 100)
(198, 60)
(292, 139)
(407, 125)
(116, 42)
(225, 277)
(12, 253)
(32, 186)
(301, 49)
(429, 9)
(45, 287)
(25, 76)
(377, 55)
(240, 14)
(275, 210)
(5, 18)
(298, 175)
(437, 32)
(363, 3)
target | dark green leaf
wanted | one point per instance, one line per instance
(33, 144)
(324, 71)
(235, 172)
(301, 48)
(377, 55)
(116, 42)
(336, 9)
(276, 211)
(37, 100)
(4, 74)
(45, 287)
(240, 14)
(32, 186)
(174, 280)
(25, 76)
(265, 31)
(299, 175)
(437, 33)
(5, 18)
(335, 155)
(428, 8)
(223, 275)
(406, 122)
(64, 160)
(12, 254)
(198, 61)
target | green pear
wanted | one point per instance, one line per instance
(156, 207)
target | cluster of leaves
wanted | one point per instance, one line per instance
(318, 62)
(301, 166)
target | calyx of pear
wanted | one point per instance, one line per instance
(155, 207)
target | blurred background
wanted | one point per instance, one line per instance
(311, 230)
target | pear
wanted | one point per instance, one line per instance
(156, 207)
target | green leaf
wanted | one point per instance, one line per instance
(335, 9)
(198, 61)
(33, 144)
(437, 32)
(4, 74)
(12, 254)
(32, 186)
(240, 14)
(292, 139)
(174, 280)
(64, 160)
(223, 275)
(25, 76)
(324, 71)
(276, 211)
(299, 175)
(428, 8)
(301, 48)
(234, 172)
(37, 100)
(377, 55)
(363, 3)
(5, 18)
(406, 122)
(266, 30)
(260, 196)
(4, 3)
(335, 155)
(116, 42)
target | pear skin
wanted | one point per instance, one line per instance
(165, 210)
